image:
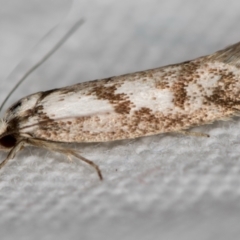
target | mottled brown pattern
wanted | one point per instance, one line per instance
(120, 101)
(184, 74)
(223, 93)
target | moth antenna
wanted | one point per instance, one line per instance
(45, 57)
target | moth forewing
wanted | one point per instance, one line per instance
(166, 99)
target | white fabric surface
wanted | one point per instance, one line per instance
(162, 187)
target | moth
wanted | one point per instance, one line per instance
(173, 98)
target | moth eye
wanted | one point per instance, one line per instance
(8, 141)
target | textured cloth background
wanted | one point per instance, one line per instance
(168, 186)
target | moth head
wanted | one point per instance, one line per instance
(7, 141)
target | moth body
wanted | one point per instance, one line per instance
(166, 99)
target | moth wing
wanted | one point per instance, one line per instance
(165, 99)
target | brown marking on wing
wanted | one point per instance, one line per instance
(176, 80)
(223, 94)
(120, 101)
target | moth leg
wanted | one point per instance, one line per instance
(194, 134)
(64, 150)
(19, 146)
(73, 153)
(89, 162)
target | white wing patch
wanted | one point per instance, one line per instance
(74, 104)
